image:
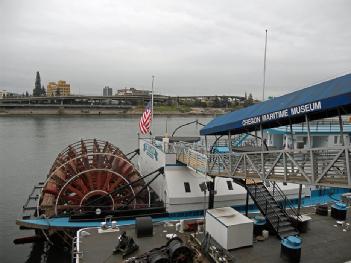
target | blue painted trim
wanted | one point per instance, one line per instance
(59, 222)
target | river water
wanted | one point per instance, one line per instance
(29, 145)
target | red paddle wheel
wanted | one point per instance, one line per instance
(90, 175)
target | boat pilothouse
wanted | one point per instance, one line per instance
(181, 187)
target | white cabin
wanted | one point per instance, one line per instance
(322, 135)
(179, 187)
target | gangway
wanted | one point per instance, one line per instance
(315, 166)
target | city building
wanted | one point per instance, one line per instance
(61, 88)
(107, 91)
(38, 89)
(3, 93)
(133, 92)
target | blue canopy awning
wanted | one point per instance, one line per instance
(318, 101)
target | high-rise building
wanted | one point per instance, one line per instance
(107, 91)
(37, 91)
(61, 88)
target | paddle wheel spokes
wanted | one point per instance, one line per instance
(91, 174)
(77, 194)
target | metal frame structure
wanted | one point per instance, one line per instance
(314, 166)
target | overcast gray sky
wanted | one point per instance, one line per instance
(192, 47)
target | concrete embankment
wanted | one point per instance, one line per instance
(62, 111)
(59, 110)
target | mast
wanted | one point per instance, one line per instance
(264, 67)
(152, 102)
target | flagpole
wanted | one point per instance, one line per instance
(152, 102)
(264, 67)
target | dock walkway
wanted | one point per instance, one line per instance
(322, 243)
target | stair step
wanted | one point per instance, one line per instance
(281, 219)
(274, 217)
(284, 223)
(286, 228)
(259, 188)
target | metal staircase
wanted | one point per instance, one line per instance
(238, 140)
(273, 206)
(29, 209)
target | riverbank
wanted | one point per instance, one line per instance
(118, 111)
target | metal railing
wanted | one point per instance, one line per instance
(268, 210)
(316, 166)
(282, 200)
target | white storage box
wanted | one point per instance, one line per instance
(229, 228)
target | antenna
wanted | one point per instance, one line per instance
(152, 102)
(264, 67)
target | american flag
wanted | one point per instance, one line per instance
(145, 120)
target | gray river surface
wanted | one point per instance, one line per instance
(29, 145)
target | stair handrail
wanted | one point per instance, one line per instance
(270, 206)
(286, 200)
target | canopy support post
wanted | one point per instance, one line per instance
(341, 129)
(292, 137)
(313, 176)
(230, 152)
(262, 157)
(300, 185)
(308, 132)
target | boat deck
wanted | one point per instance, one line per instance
(97, 246)
(324, 242)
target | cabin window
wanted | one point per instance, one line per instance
(335, 139)
(230, 185)
(187, 187)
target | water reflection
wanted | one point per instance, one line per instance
(43, 252)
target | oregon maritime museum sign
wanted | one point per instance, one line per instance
(296, 110)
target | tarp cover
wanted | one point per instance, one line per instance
(317, 102)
